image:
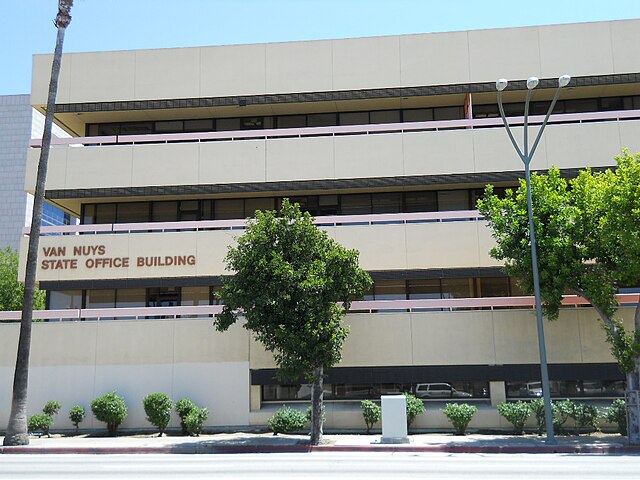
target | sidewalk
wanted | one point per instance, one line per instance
(267, 443)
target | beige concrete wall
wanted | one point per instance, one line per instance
(381, 247)
(382, 155)
(376, 62)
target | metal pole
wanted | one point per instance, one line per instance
(526, 157)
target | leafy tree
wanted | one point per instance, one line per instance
(183, 409)
(52, 407)
(40, 422)
(293, 284)
(17, 428)
(76, 415)
(588, 232)
(415, 407)
(372, 412)
(517, 413)
(195, 419)
(111, 409)
(459, 414)
(11, 290)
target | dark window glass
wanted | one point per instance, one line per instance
(93, 130)
(171, 126)
(292, 121)
(493, 287)
(189, 211)
(359, 204)
(457, 288)
(627, 103)
(65, 299)
(226, 124)
(611, 103)
(322, 119)
(386, 202)
(636, 102)
(328, 205)
(88, 214)
(448, 113)
(109, 129)
(164, 212)
(539, 108)
(485, 111)
(200, 125)
(354, 118)
(105, 213)
(131, 297)
(133, 212)
(385, 116)
(449, 200)
(207, 210)
(423, 289)
(514, 109)
(390, 290)
(101, 298)
(164, 297)
(138, 128)
(195, 296)
(251, 123)
(229, 209)
(580, 106)
(417, 115)
(421, 201)
(253, 204)
(307, 204)
(514, 288)
(567, 388)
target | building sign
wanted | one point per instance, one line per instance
(96, 257)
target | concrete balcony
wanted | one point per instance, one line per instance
(197, 249)
(328, 153)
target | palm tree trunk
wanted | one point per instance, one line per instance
(17, 428)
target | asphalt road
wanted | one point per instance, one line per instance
(322, 465)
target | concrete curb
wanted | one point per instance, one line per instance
(238, 449)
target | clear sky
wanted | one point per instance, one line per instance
(132, 24)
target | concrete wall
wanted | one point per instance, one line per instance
(74, 362)
(378, 62)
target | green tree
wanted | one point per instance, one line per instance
(293, 285)
(158, 408)
(11, 290)
(588, 233)
(17, 428)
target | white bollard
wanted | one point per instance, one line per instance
(394, 419)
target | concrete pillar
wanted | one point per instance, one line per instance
(498, 393)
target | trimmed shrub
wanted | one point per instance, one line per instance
(459, 414)
(76, 415)
(617, 413)
(287, 420)
(537, 407)
(110, 409)
(52, 408)
(372, 412)
(195, 419)
(158, 408)
(561, 411)
(415, 407)
(40, 422)
(585, 416)
(183, 408)
(516, 413)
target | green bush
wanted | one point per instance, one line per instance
(585, 416)
(537, 407)
(76, 415)
(183, 408)
(459, 414)
(415, 407)
(561, 411)
(110, 409)
(158, 408)
(516, 413)
(52, 408)
(40, 422)
(287, 420)
(617, 413)
(371, 412)
(195, 419)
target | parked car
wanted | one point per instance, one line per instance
(439, 390)
(532, 389)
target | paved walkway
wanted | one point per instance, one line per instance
(267, 443)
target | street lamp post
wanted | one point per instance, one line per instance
(526, 156)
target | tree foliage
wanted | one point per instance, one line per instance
(293, 285)
(588, 237)
(11, 290)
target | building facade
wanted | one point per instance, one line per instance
(389, 142)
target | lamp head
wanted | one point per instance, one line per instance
(501, 84)
(564, 80)
(532, 82)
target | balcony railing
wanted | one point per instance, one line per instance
(238, 224)
(373, 306)
(337, 130)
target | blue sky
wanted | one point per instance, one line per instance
(131, 24)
